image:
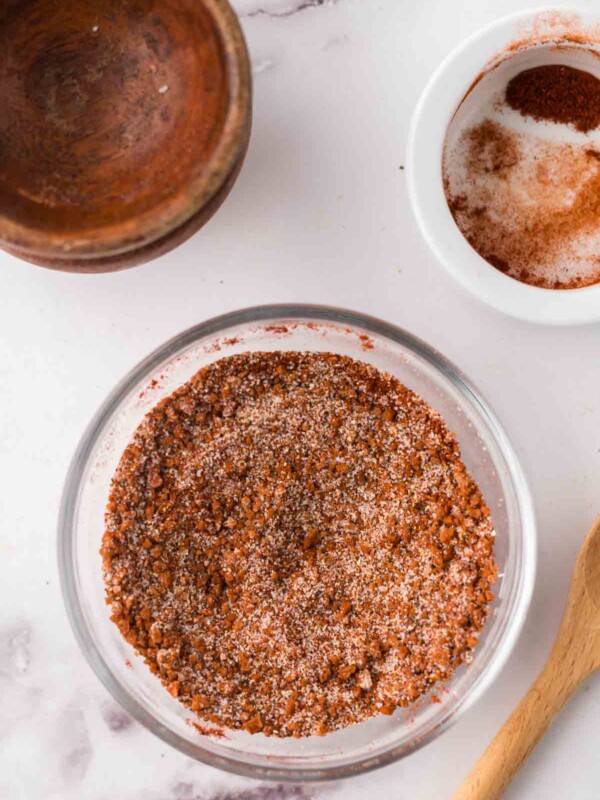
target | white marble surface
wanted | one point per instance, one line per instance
(320, 214)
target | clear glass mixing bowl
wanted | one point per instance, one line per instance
(485, 449)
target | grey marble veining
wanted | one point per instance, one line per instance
(186, 791)
(286, 9)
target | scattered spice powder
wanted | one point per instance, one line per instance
(208, 730)
(558, 93)
(293, 544)
(527, 203)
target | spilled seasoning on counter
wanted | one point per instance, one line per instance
(293, 544)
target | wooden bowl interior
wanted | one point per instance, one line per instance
(109, 108)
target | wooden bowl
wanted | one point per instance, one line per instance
(124, 125)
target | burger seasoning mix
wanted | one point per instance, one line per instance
(293, 544)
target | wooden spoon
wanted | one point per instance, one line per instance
(574, 657)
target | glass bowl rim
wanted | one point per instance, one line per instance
(515, 615)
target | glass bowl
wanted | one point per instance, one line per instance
(486, 451)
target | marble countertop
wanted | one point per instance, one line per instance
(320, 214)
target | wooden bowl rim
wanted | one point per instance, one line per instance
(155, 223)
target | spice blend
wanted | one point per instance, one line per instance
(527, 202)
(558, 93)
(293, 544)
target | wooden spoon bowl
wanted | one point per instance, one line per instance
(124, 124)
(574, 657)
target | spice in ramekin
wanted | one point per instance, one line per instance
(293, 544)
(522, 179)
(557, 93)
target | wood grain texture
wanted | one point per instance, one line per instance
(124, 125)
(574, 657)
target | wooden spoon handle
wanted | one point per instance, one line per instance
(520, 733)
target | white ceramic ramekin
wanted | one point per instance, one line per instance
(435, 110)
